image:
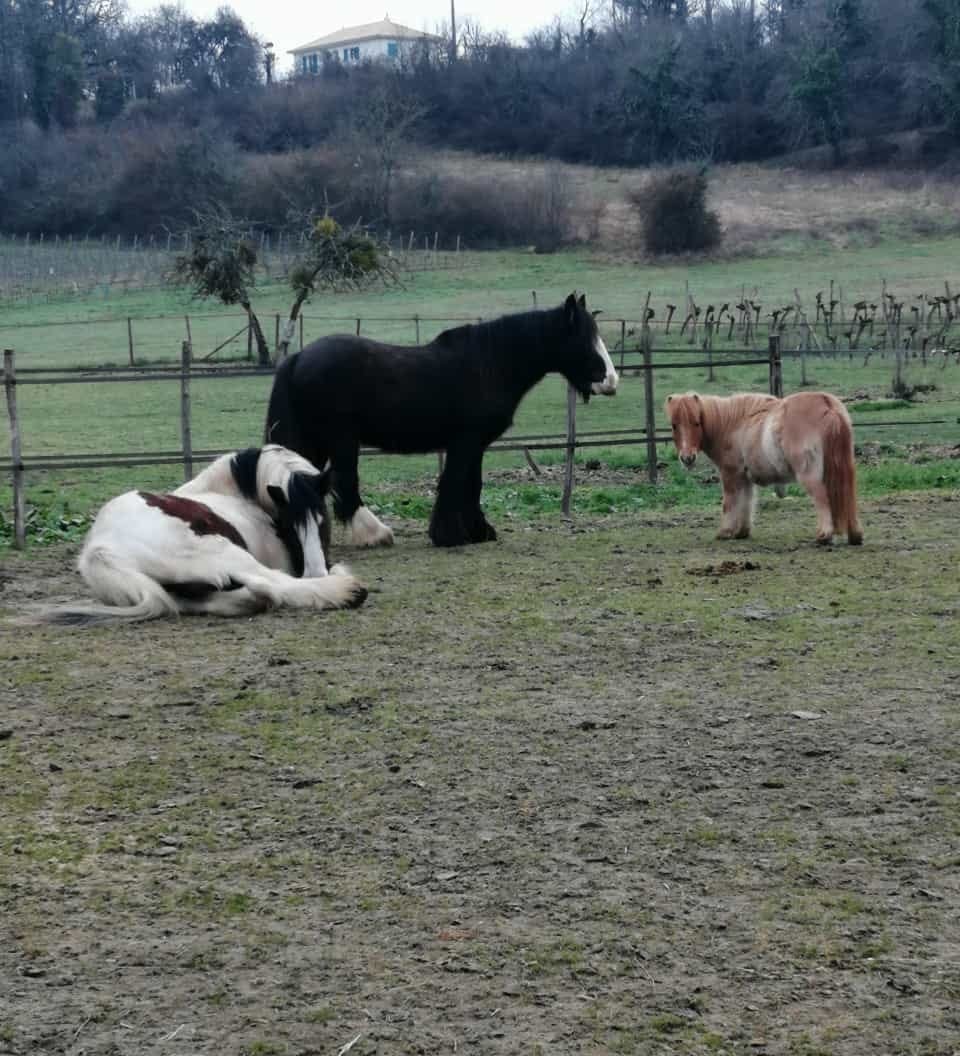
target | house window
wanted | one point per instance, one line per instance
(346, 54)
(393, 49)
(313, 63)
(354, 54)
(303, 64)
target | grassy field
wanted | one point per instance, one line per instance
(602, 788)
(229, 413)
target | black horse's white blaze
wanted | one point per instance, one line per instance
(456, 394)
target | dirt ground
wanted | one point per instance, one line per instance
(604, 787)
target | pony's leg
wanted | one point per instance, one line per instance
(364, 528)
(817, 490)
(736, 519)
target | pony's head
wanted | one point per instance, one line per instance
(293, 491)
(686, 419)
(584, 359)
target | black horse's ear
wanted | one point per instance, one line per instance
(570, 311)
(277, 494)
(321, 482)
(583, 301)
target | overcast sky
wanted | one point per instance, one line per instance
(290, 23)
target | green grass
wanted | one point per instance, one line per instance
(229, 413)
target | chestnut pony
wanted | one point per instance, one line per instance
(757, 439)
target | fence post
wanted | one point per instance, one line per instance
(776, 366)
(130, 338)
(301, 331)
(416, 323)
(571, 449)
(646, 344)
(623, 341)
(16, 455)
(186, 355)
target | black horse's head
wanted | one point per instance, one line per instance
(583, 357)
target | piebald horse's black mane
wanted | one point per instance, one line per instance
(305, 497)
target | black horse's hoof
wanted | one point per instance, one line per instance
(447, 532)
(481, 531)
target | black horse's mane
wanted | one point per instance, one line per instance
(522, 327)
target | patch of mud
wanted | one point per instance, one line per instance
(725, 568)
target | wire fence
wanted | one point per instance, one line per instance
(713, 339)
(35, 267)
(637, 361)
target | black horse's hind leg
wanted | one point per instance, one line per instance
(345, 480)
(457, 518)
(364, 528)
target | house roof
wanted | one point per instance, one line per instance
(384, 29)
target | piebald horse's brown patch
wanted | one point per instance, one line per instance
(202, 520)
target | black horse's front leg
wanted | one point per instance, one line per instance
(479, 528)
(457, 518)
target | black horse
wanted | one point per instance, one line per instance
(456, 394)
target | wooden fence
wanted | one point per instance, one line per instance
(636, 361)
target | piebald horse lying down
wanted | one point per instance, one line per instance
(246, 534)
(759, 439)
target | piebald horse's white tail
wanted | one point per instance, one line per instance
(134, 596)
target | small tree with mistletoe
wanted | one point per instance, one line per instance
(221, 263)
(335, 258)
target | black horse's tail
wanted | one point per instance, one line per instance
(281, 424)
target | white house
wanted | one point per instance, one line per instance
(383, 41)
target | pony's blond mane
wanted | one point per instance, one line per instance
(719, 414)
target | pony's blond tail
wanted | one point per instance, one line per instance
(840, 475)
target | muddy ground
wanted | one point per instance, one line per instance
(605, 788)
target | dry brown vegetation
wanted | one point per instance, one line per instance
(756, 203)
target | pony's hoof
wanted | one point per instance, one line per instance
(824, 540)
(855, 539)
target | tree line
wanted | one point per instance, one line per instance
(179, 106)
